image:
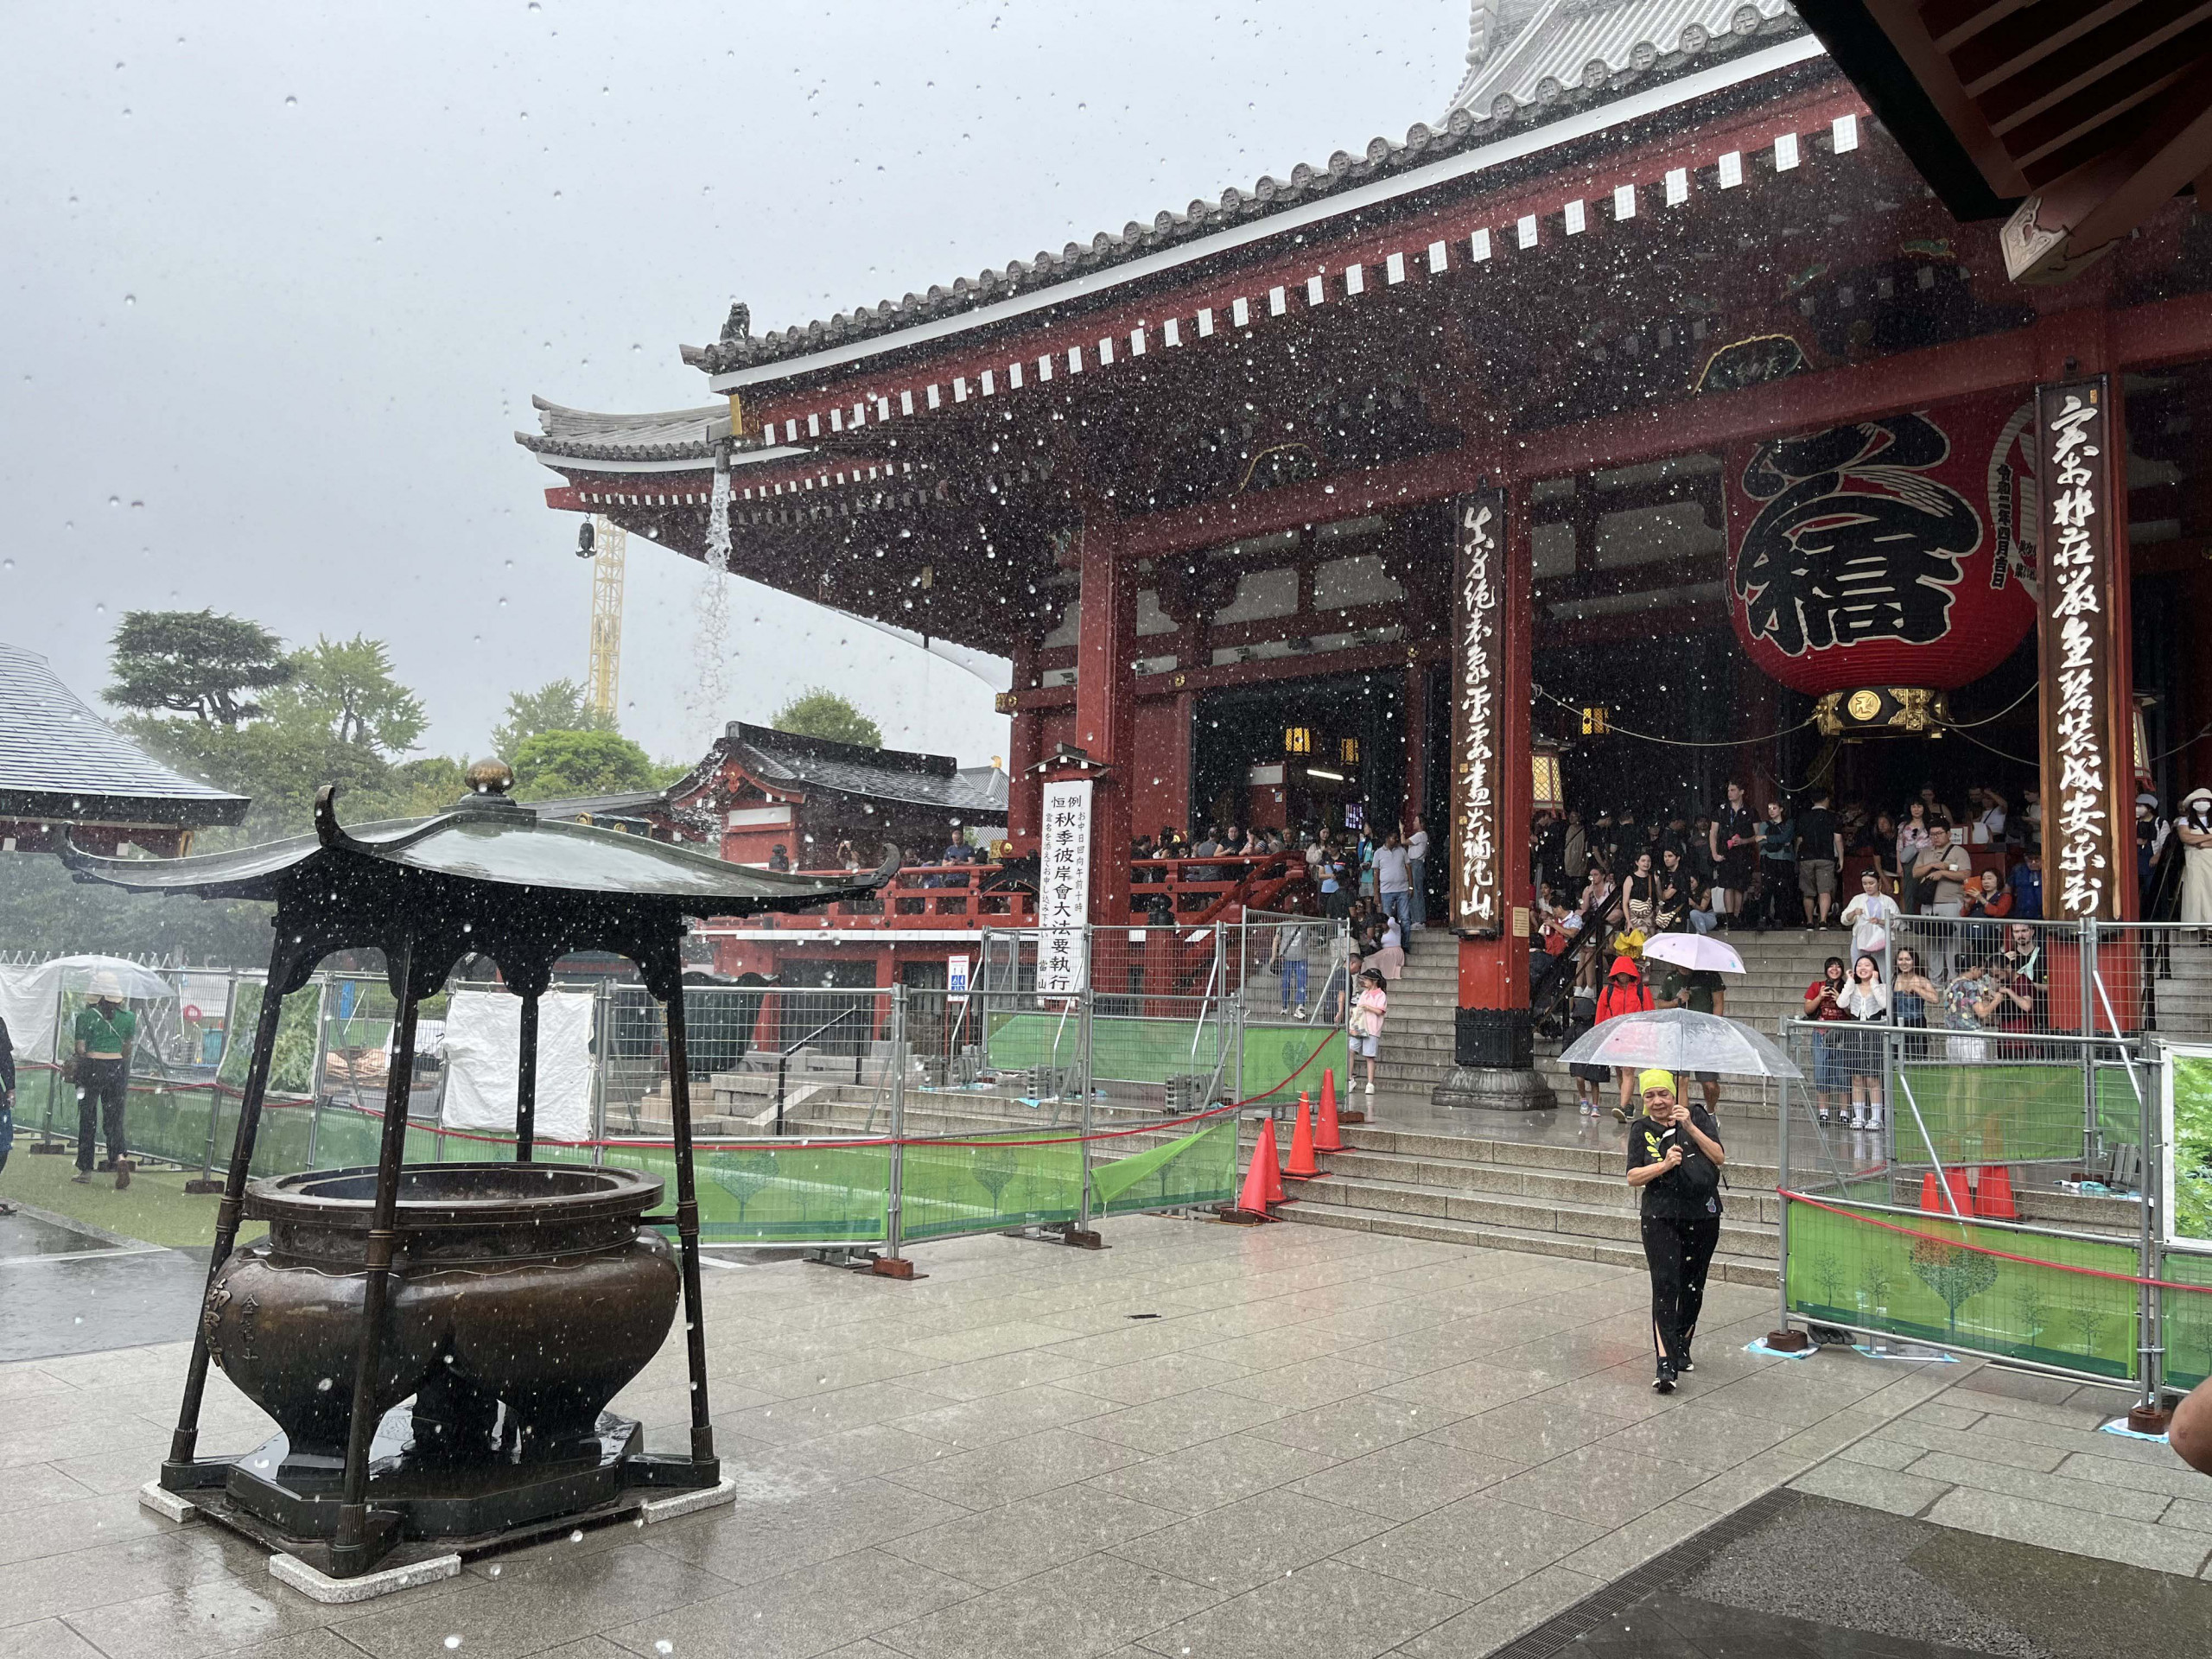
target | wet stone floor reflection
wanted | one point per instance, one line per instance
(1320, 1442)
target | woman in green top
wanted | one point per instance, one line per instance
(106, 1030)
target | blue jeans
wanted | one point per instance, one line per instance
(1400, 905)
(1293, 972)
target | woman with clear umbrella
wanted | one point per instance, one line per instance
(1674, 1159)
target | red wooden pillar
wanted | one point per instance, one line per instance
(1106, 710)
(1024, 747)
(1485, 833)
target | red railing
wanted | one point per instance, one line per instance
(1194, 891)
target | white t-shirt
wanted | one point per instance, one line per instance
(1417, 846)
(1870, 914)
(1392, 870)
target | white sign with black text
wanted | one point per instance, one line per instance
(1062, 889)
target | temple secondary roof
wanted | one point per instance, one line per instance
(59, 759)
(1567, 56)
(895, 775)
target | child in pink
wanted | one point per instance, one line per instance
(1367, 1016)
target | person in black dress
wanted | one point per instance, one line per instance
(1675, 1157)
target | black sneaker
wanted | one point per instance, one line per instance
(1664, 1383)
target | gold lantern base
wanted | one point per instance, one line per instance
(1883, 711)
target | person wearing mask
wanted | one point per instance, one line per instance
(1674, 1160)
(1625, 993)
(1394, 881)
(1912, 993)
(1943, 872)
(1733, 843)
(104, 1032)
(1777, 869)
(1820, 853)
(1912, 842)
(1417, 871)
(1369, 1010)
(2193, 829)
(1869, 916)
(1866, 1001)
(1831, 1059)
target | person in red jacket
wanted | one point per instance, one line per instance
(1625, 993)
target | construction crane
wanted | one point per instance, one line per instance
(607, 544)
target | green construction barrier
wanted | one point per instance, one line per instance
(982, 1183)
(1279, 1060)
(1844, 1269)
(2185, 1316)
(292, 1066)
(1199, 1168)
(2015, 1113)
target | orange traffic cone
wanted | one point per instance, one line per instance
(1251, 1206)
(1992, 1193)
(1328, 1137)
(1329, 1093)
(1272, 1162)
(1302, 1166)
(1931, 1196)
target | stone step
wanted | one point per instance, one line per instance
(1601, 1187)
(1731, 1270)
(1745, 1238)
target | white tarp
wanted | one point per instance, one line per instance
(483, 1038)
(30, 997)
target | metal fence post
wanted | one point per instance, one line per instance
(894, 1218)
(2092, 1130)
(2149, 1415)
(1782, 1185)
(1083, 1110)
(602, 1030)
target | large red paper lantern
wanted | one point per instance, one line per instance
(1881, 564)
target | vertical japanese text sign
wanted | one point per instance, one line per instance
(1062, 889)
(2081, 866)
(1478, 713)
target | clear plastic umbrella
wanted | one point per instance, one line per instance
(1696, 951)
(1681, 1040)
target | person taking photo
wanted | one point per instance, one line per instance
(1674, 1160)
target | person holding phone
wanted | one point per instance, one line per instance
(1674, 1160)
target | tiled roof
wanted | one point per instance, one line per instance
(932, 780)
(582, 435)
(1581, 51)
(1567, 55)
(58, 757)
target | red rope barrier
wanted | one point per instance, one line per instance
(1983, 1249)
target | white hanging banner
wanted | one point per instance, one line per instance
(483, 1040)
(1064, 889)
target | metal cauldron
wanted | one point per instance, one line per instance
(523, 1298)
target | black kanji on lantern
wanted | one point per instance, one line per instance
(1857, 541)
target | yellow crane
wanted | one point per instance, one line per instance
(609, 547)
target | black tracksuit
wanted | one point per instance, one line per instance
(1681, 1228)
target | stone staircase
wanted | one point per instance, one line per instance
(1534, 1197)
(2183, 992)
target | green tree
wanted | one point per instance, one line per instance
(555, 764)
(819, 712)
(196, 663)
(1955, 1274)
(555, 706)
(346, 688)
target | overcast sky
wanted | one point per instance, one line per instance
(280, 280)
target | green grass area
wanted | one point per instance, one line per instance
(155, 1207)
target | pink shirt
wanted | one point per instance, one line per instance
(1367, 1014)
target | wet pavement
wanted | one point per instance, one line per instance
(69, 1288)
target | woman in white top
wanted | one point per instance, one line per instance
(1866, 999)
(1869, 915)
(2194, 826)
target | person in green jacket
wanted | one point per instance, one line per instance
(104, 1032)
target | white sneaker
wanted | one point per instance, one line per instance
(1856, 1122)
(1370, 1088)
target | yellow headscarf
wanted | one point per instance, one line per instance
(1655, 1078)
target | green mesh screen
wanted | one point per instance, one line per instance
(291, 1067)
(2008, 1113)
(162, 1122)
(1152, 1051)
(1199, 1168)
(986, 1182)
(771, 1194)
(1843, 1268)
(2186, 1317)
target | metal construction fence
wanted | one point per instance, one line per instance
(1996, 1192)
(822, 1116)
